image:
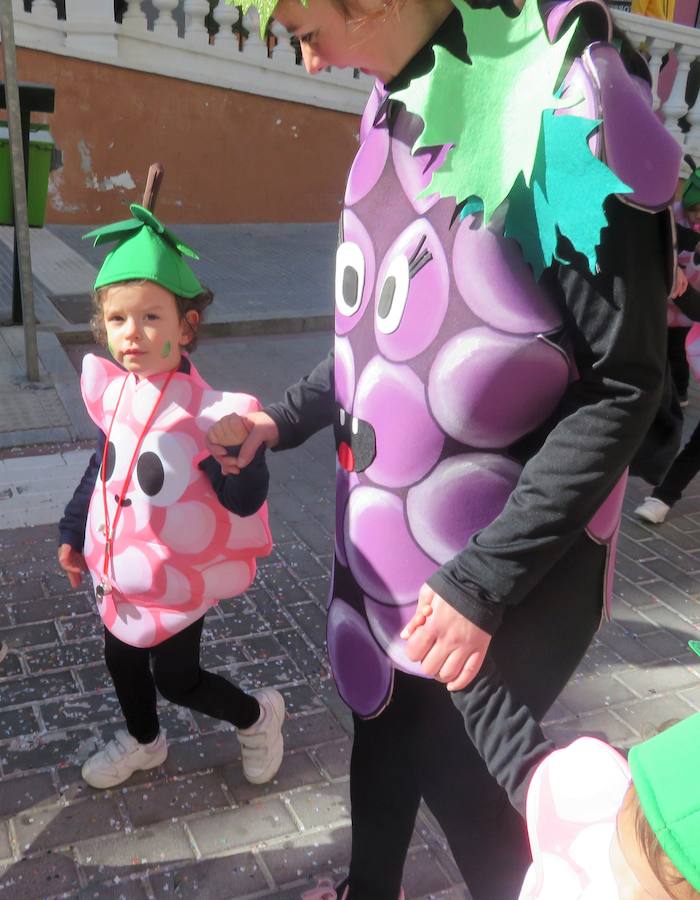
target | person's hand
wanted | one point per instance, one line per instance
(260, 429)
(229, 431)
(448, 646)
(680, 284)
(72, 563)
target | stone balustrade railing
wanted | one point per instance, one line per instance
(665, 43)
(170, 37)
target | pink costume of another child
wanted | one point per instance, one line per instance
(572, 806)
(176, 550)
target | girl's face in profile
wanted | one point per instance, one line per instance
(330, 38)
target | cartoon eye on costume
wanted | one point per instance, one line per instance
(349, 278)
(394, 291)
(164, 467)
(111, 459)
(150, 473)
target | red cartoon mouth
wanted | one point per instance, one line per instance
(355, 440)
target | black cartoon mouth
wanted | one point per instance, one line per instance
(125, 502)
(355, 441)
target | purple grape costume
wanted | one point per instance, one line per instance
(501, 282)
(448, 351)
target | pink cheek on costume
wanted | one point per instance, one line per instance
(354, 274)
(410, 308)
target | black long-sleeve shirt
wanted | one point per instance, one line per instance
(615, 321)
(241, 494)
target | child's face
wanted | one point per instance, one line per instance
(692, 214)
(634, 876)
(145, 333)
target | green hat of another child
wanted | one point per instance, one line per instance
(666, 773)
(691, 191)
(148, 251)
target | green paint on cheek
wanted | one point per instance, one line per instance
(166, 350)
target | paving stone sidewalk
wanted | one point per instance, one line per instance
(194, 828)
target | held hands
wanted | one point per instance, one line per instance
(449, 646)
(258, 428)
(229, 431)
(72, 563)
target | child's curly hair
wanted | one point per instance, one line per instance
(184, 305)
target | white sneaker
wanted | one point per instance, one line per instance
(652, 510)
(123, 756)
(262, 745)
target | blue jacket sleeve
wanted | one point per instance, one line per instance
(71, 528)
(241, 494)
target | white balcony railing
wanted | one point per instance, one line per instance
(169, 37)
(680, 44)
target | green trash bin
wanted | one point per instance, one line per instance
(41, 150)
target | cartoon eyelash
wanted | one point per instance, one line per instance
(418, 260)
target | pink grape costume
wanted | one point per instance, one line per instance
(177, 550)
(572, 806)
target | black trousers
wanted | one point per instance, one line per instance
(177, 675)
(685, 467)
(677, 359)
(418, 748)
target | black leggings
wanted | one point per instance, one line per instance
(685, 467)
(418, 748)
(178, 677)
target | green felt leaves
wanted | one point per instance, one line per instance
(265, 7)
(491, 110)
(567, 191)
(146, 250)
(117, 231)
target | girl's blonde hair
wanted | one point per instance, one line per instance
(184, 305)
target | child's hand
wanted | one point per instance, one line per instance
(230, 431)
(72, 563)
(261, 429)
(448, 645)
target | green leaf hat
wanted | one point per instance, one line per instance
(148, 251)
(666, 775)
(691, 191)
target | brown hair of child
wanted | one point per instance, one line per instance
(184, 305)
(666, 873)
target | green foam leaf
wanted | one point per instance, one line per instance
(265, 8)
(489, 111)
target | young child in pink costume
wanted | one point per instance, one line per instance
(164, 534)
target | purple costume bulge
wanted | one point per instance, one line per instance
(447, 352)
